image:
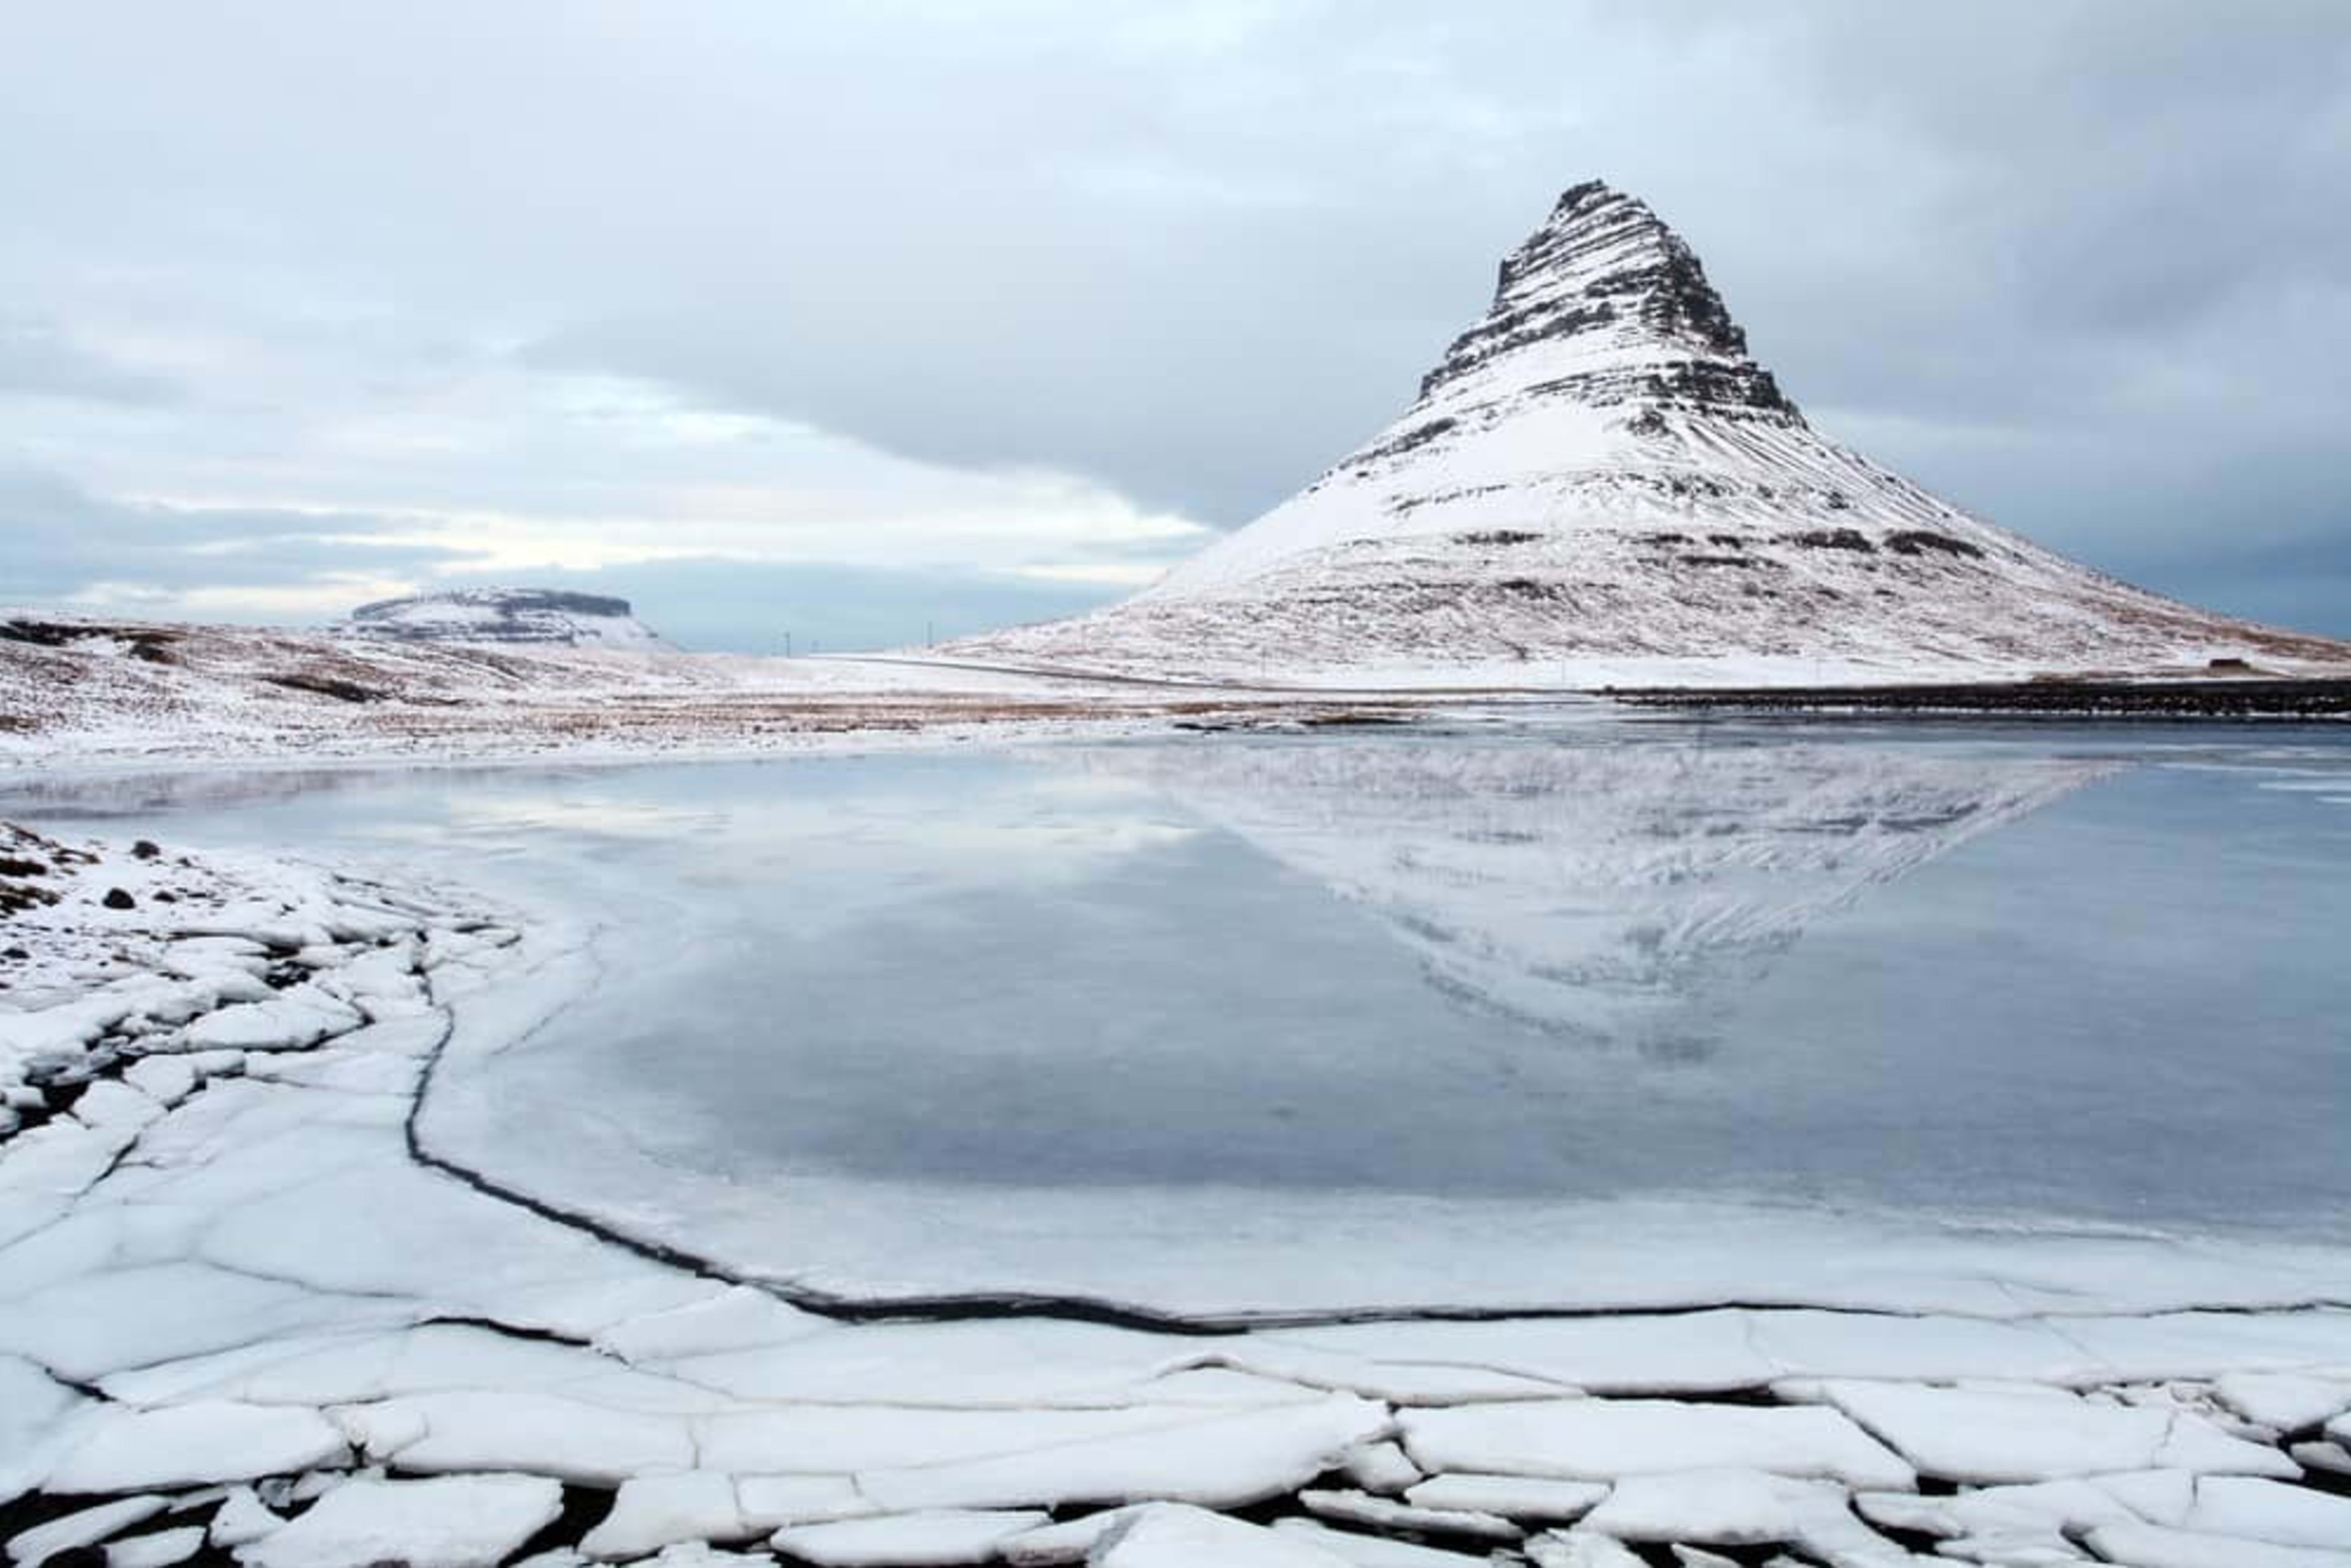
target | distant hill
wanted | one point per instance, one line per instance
(542, 616)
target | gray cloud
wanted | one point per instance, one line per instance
(60, 541)
(2063, 209)
(715, 605)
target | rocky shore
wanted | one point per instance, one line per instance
(2174, 699)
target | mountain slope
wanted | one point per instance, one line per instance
(539, 616)
(1598, 483)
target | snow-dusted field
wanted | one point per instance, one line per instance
(264, 1291)
(76, 692)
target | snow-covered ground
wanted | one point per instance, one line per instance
(76, 691)
(242, 1313)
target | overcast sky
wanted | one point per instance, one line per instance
(850, 317)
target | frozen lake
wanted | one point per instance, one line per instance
(1377, 1018)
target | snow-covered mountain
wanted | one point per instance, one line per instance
(1597, 483)
(505, 616)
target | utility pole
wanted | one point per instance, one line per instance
(787, 645)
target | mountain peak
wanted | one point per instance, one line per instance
(1606, 304)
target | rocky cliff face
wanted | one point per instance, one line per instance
(546, 617)
(1597, 483)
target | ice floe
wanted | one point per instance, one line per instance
(2284, 1401)
(2154, 1546)
(2266, 1511)
(1721, 1506)
(1577, 1548)
(204, 1441)
(1381, 1467)
(1602, 1440)
(83, 1527)
(241, 1518)
(1516, 1497)
(658, 1509)
(1222, 1461)
(457, 1521)
(1373, 1550)
(159, 1549)
(573, 1440)
(1386, 1513)
(1983, 1438)
(1171, 1536)
(927, 1540)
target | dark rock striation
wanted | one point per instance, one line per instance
(1601, 265)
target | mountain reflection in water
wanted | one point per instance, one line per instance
(1619, 893)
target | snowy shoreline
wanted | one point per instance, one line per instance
(322, 1387)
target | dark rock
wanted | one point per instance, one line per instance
(1920, 541)
(117, 899)
(146, 850)
(17, 897)
(1523, 587)
(1419, 435)
(43, 633)
(146, 642)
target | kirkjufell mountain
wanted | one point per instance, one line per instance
(1598, 483)
(545, 617)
